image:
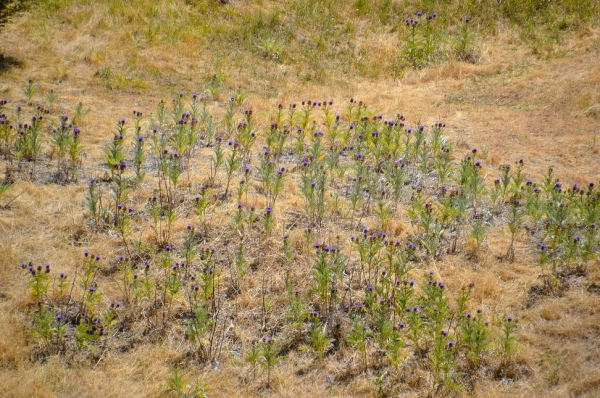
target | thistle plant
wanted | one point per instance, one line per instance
(434, 304)
(241, 263)
(232, 162)
(143, 284)
(61, 285)
(382, 210)
(268, 221)
(30, 89)
(218, 158)
(463, 50)
(80, 113)
(139, 154)
(51, 96)
(506, 341)
(89, 286)
(356, 193)
(197, 327)
(443, 165)
(515, 220)
(475, 336)
(358, 338)
(288, 252)
(269, 356)
(319, 340)
(504, 181)
(276, 136)
(314, 186)
(39, 281)
(49, 327)
(202, 202)
(28, 143)
(272, 178)
(298, 312)
(327, 275)
(190, 250)
(178, 386)
(66, 141)
(431, 226)
(368, 247)
(478, 231)
(443, 360)
(420, 39)
(87, 333)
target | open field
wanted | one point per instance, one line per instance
(223, 219)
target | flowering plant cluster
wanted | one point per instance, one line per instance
(361, 288)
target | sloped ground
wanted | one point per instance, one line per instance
(512, 102)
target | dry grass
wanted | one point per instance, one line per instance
(512, 102)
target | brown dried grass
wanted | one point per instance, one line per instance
(532, 109)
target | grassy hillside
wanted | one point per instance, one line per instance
(256, 198)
